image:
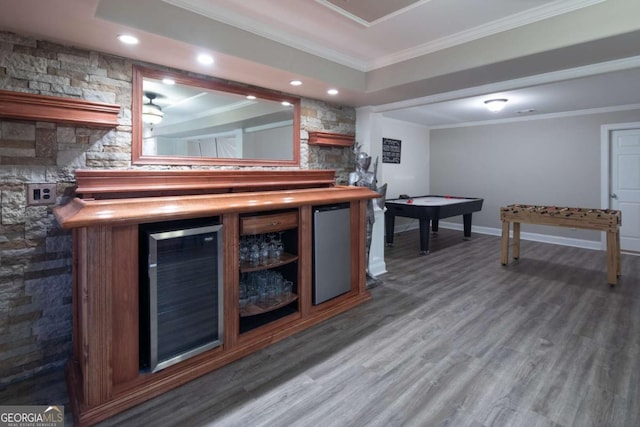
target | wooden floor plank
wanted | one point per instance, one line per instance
(452, 338)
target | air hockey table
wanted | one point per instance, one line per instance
(430, 209)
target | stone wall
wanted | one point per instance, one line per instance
(35, 254)
(323, 117)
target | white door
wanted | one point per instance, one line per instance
(625, 185)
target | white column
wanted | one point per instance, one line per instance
(377, 265)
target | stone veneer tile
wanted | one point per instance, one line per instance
(59, 244)
(77, 58)
(58, 49)
(66, 135)
(17, 61)
(22, 174)
(37, 222)
(34, 51)
(21, 131)
(117, 68)
(17, 40)
(14, 203)
(26, 161)
(72, 158)
(98, 96)
(37, 77)
(46, 142)
(64, 90)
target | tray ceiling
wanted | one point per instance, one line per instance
(421, 60)
(367, 12)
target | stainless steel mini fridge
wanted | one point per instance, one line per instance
(331, 252)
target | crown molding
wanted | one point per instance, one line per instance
(531, 16)
(539, 13)
(273, 34)
(601, 110)
(539, 79)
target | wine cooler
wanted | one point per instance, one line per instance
(181, 291)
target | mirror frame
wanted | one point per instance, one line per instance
(138, 158)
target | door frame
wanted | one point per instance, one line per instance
(605, 165)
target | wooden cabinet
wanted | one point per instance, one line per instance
(104, 375)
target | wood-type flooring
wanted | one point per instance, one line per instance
(453, 338)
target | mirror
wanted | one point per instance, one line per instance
(180, 119)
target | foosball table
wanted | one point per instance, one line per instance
(606, 220)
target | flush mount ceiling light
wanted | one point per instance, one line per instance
(151, 113)
(495, 105)
(205, 59)
(295, 82)
(332, 91)
(128, 39)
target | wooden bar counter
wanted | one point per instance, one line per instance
(104, 375)
(606, 220)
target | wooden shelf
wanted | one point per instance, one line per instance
(331, 139)
(285, 259)
(28, 106)
(254, 309)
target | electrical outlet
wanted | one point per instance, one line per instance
(41, 194)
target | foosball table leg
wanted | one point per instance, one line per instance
(613, 257)
(516, 240)
(504, 255)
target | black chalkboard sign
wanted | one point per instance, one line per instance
(391, 150)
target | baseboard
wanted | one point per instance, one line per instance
(377, 267)
(534, 237)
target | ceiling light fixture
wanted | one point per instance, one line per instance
(332, 91)
(168, 81)
(205, 59)
(128, 39)
(295, 82)
(251, 97)
(286, 103)
(151, 113)
(495, 105)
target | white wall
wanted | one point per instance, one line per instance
(411, 176)
(553, 161)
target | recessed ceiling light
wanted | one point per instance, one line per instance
(332, 91)
(168, 81)
(295, 82)
(205, 59)
(251, 97)
(495, 105)
(128, 39)
(286, 103)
